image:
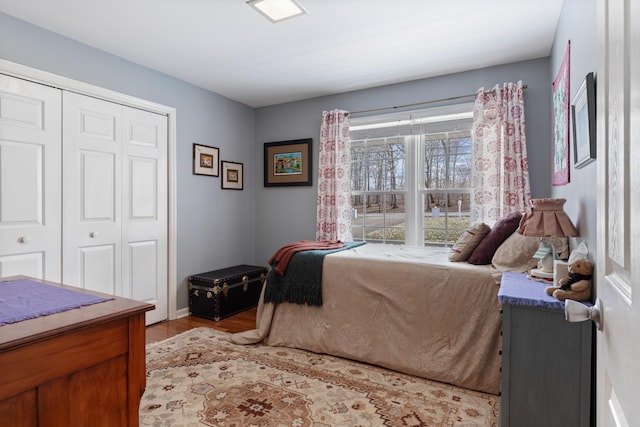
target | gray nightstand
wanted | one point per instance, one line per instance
(546, 361)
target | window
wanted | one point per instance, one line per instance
(411, 176)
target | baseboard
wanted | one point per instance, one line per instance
(183, 312)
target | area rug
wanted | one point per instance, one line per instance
(200, 378)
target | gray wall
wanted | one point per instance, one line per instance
(578, 24)
(215, 227)
(218, 228)
(286, 214)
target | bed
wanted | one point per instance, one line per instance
(405, 308)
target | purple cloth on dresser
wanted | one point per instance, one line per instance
(518, 289)
(24, 299)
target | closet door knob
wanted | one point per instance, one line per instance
(93, 234)
(24, 239)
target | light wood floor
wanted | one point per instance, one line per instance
(236, 323)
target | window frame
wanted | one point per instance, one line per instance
(415, 190)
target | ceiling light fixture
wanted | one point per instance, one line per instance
(277, 10)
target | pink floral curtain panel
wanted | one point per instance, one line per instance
(500, 168)
(334, 182)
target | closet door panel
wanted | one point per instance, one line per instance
(96, 271)
(143, 271)
(21, 201)
(145, 209)
(30, 168)
(98, 187)
(27, 264)
(143, 176)
(92, 219)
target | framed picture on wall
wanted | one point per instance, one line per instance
(205, 160)
(560, 102)
(287, 163)
(583, 115)
(232, 175)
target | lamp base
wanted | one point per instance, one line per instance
(546, 263)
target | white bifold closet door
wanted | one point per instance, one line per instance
(114, 233)
(30, 169)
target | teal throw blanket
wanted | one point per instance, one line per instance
(302, 282)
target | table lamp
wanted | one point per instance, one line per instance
(546, 218)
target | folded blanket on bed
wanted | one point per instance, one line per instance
(281, 258)
(302, 281)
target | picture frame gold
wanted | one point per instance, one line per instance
(288, 163)
(205, 160)
(232, 175)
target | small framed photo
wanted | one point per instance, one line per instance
(583, 115)
(287, 163)
(205, 160)
(232, 175)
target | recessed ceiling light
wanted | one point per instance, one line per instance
(277, 10)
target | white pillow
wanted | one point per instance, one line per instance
(515, 253)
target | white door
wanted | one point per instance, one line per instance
(30, 168)
(92, 224)
(115, 214)
(144, 209)
(618, 263)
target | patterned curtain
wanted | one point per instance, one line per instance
(500, 169)
(334, 180)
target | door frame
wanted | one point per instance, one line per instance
(60, 82)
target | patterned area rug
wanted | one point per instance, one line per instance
(200, 378)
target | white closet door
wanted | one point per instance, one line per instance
(92, 220)
(144, 209)
(30, 168)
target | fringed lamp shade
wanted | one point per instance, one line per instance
(547, 218)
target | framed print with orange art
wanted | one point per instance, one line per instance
(287, 163)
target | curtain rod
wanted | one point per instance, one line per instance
(453, 98)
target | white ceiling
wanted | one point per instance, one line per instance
(227, 47)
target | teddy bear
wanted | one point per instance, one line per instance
(577, 284)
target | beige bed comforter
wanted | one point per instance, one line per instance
(405, 308)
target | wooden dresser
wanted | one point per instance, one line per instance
(82, 367)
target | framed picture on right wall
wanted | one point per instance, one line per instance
(583, 116)
(561, 122)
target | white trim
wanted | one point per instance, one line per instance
(43, 77)
(413, 234)
(183, 312)
(60, 82)
(173, 217)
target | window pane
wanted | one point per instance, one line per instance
(447, 218)
(377, 164)
(379, 217)
(447, 161)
